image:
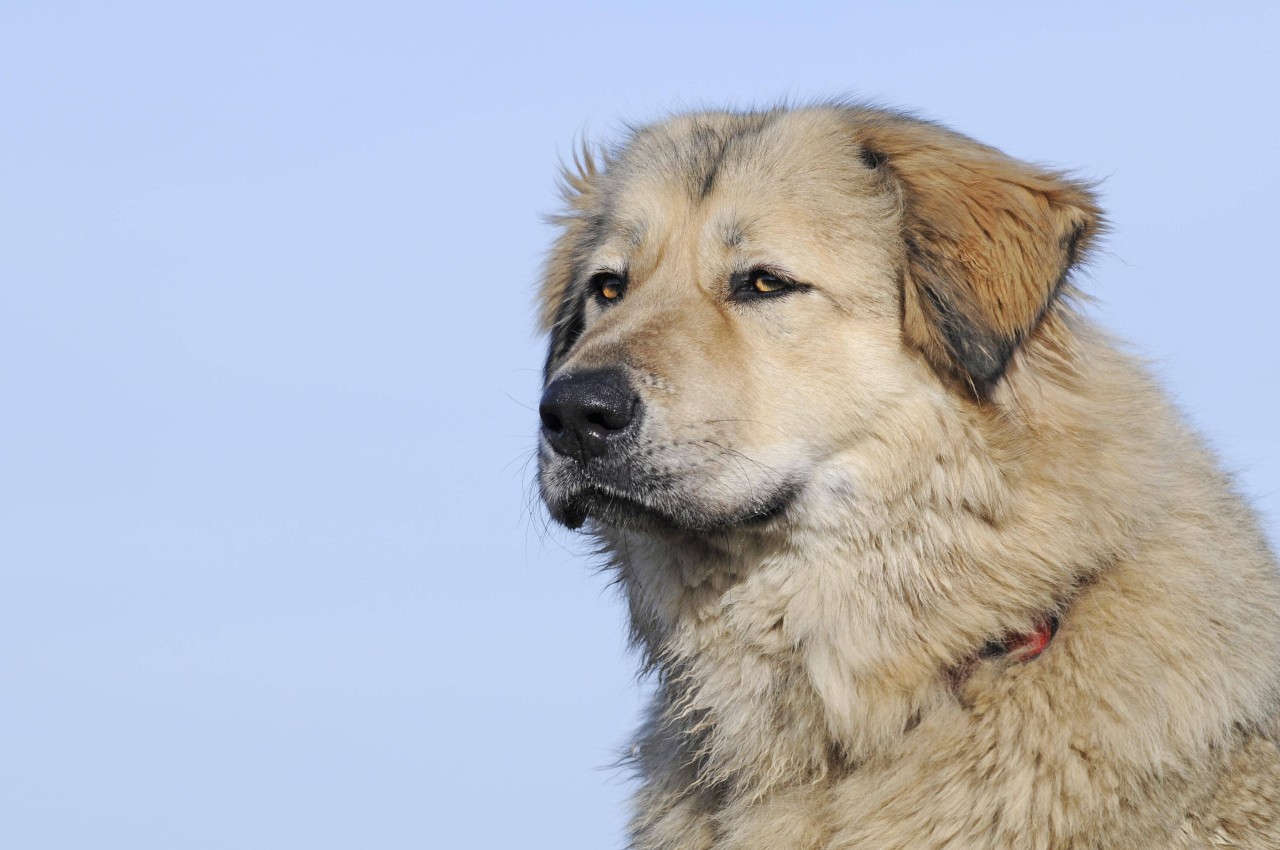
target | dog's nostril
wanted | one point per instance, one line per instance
(550, 421)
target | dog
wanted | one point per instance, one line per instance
(918, 557)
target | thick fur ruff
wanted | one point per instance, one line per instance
(868, 435)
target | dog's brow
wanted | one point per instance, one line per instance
(733, 233)
(635, 233)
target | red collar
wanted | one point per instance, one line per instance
(1024, 647)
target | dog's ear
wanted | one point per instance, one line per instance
(990, 241)
(560, 304)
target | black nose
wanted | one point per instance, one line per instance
(580, 412)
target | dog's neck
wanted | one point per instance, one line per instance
(762, 687)
(783, 657)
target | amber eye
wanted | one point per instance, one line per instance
(608, 286)
(761, 283)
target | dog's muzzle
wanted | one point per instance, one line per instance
(584, 414)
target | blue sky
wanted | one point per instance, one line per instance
(270, 575)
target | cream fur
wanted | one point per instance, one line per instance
(818, 676)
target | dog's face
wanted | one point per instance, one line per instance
(740, 304)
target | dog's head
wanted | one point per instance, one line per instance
(740, 303)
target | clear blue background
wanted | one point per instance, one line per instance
(271, 572)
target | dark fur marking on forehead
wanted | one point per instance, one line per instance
(713, 145)
(706, 156)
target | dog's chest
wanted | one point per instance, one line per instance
(738, 690)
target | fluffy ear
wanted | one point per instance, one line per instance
(560, 306)
(989, 241)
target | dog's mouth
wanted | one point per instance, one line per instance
(624, 510)
(639, 485)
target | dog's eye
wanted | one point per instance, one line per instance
(608, 287)
(760, 283)
(764, 283)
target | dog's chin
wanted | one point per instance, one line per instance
(571, 514)
(670, 516)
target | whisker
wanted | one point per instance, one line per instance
(519, 402)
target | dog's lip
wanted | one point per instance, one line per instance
(598, 502)
(616, 507)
